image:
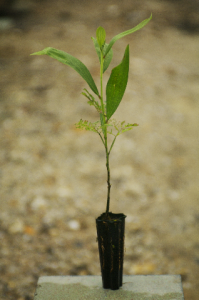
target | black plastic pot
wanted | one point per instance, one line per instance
(110, 235)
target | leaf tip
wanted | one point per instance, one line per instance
(101, 36)
(35, 53)
(42, 52)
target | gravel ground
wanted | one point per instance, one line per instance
(53, 176)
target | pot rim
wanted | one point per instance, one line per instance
(115, 217)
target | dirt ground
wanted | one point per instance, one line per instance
(53, 176)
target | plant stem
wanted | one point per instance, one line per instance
(113, 142)
(105, 135)
(108, 182)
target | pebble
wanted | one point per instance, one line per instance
(38, 203)
(16, 227)
(74, 225)
(64, 191)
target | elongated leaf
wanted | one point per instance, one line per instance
(108, 57)
(120, 35)
(117, 84)
(71, 61)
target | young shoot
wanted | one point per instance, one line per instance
(115, 89)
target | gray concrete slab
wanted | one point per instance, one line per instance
(135, 287)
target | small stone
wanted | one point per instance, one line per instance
(16, 227)
(64, 192)
(38, 203)
(29, 230)
(74, 225)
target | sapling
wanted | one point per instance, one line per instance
(115, 89)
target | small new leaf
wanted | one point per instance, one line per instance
(108, 57)
(92, 101)
(101, 36)
(119, 127)
(127, 127)
(88, 125)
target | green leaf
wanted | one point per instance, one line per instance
(122, 34)
(95, 126)
(117, 84)
(127, 127)
(108, 57)
(101, 36)
(91, 101)
(71, 61)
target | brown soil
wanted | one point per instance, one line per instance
(53, 176)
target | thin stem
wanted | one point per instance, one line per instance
(101, 84)
(108, 183)
(101, 138)
(104, 130)
(113, 142)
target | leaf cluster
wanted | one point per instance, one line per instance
(115, 87)
(84, 124)
(92, 101)
(114, 127)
